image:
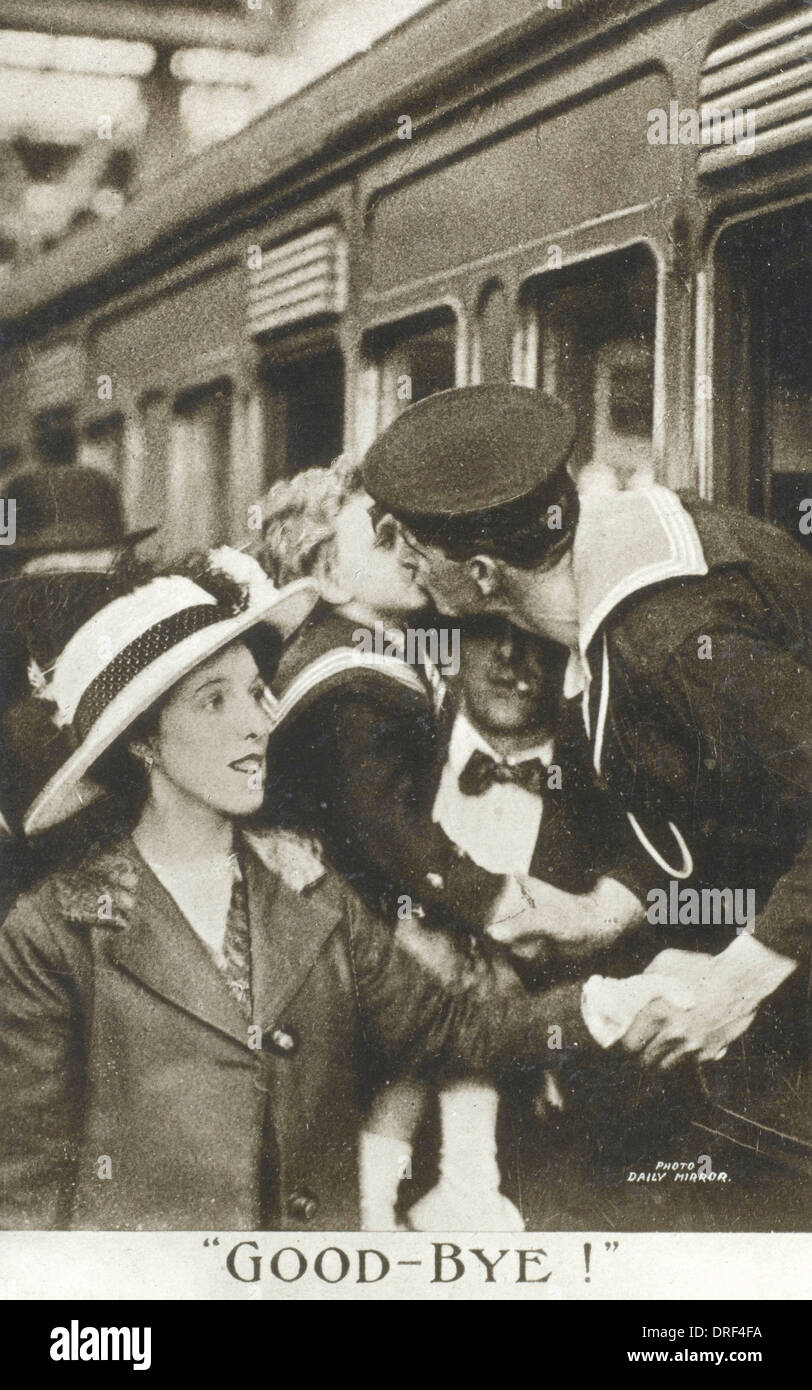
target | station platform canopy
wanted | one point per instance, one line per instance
(104, 98)
(165, 23)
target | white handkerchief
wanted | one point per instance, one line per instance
(610, 1006)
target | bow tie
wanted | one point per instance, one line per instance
(482, 771)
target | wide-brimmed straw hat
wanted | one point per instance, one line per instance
(130, 654)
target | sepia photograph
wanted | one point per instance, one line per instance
(405, 666)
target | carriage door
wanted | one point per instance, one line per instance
(296, 296)
(763, 369)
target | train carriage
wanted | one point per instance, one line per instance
(608, 198)
(540, 192)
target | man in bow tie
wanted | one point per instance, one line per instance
(511, 771)
(518, 795)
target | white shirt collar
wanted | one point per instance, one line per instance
(465, 740)
(576, 676)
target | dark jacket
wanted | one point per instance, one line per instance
(356, 762)
(720, 747)
(581, 829)
(132, 1094)
(38, 614)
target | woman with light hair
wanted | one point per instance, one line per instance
(357, 747)
(299, 517)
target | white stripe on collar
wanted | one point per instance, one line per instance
(334, 663)
(652, 537)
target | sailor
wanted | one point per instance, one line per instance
(686, 626)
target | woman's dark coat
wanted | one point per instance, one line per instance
(135, 1095)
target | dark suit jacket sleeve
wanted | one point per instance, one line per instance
(386, 799)
(409, 1017)
(41, 1072)
(784, 923)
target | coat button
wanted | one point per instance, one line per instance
(281, 1040)
(302, 1206)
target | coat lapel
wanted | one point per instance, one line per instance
(150, 939)
(288, 930)
(160, 948)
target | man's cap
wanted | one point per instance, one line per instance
(67, 509)
(469, 451)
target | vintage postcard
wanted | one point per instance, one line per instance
(405, 529)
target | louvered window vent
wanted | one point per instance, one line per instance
(757, 93)
(299, 279)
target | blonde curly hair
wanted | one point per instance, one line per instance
(298, 516)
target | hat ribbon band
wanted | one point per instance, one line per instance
(150, 644)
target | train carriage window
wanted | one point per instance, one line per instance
(55, 436)
(199, 467)
(103, 444)
(414, 358)
(304, 412)
(594, 327)
(762, 397)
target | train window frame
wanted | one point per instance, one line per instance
(720, 478)
(145, 481)
(95, 429)
(492, 360)
(386, 333)
(574, 269)
(180, 407)
(279, 354)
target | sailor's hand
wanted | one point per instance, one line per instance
(727, 990)
(664, 1033)
(691, 967)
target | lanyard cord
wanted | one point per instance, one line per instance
(687, 867)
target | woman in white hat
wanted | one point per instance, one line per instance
(187, 1016)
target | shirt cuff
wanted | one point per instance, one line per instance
(755, 968)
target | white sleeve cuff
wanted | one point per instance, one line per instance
(758, 968)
